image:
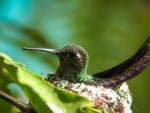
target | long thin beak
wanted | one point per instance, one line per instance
(42, 49)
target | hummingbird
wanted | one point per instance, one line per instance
(72, 70)
(74, 61)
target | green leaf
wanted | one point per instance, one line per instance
(5, 107)
(43, 96)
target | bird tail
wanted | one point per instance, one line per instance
(128, 69)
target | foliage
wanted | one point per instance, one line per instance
(110, 31)
(44, 97)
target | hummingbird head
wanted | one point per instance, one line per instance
(73, 62)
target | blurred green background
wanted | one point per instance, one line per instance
(111, 31)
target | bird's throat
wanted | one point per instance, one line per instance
(71, 75)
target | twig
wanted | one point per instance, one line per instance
(20, 105)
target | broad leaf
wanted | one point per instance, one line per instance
(43, 96)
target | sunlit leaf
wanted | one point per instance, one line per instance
(43, 96)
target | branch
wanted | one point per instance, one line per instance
(25, 108)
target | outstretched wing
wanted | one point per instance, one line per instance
(128, 69)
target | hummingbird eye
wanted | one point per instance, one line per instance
(72, 54)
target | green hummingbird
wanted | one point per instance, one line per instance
(71, 73)
(74, 61)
